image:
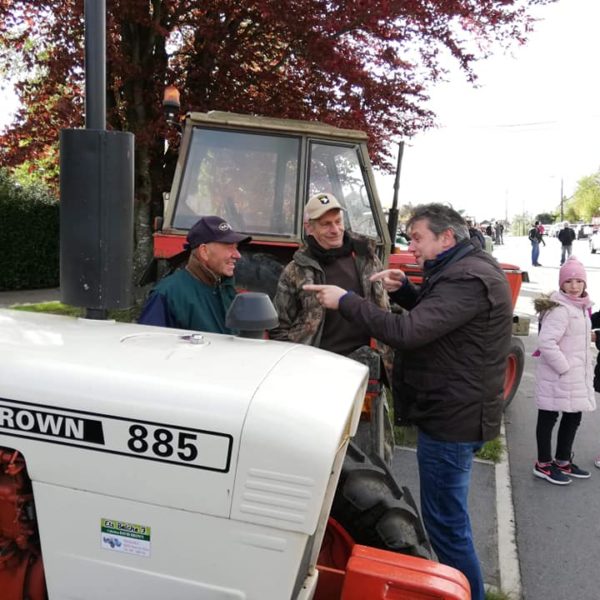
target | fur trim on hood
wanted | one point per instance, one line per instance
(544, 303)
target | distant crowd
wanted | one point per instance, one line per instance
(494, 230)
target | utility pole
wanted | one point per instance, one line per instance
(96, 192)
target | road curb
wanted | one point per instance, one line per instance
(508, 556)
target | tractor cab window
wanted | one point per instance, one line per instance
(249, 179)
(337, 169)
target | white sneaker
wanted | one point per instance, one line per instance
(597, 461)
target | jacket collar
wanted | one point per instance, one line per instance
(448, 257)
(362, 246)
(203, 274)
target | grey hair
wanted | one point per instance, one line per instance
(440, 218)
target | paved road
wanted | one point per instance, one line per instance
(557, 528)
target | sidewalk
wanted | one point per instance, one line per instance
(28, 296)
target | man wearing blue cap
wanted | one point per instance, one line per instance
(198, 296)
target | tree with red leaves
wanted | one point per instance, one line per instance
(360, 64)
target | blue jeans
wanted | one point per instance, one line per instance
(535, 252)
(565, 252)
(445, 474)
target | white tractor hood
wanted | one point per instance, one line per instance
(225, 426)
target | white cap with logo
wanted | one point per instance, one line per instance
(319, 204)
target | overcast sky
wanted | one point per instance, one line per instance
(503, 148)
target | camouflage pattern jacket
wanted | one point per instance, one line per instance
(301, 317)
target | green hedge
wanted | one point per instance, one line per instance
(29, 236)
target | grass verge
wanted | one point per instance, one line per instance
(492, 450)
(126, 315)
(497, 595)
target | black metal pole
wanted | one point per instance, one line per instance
(393, 215)
(95, 64)
(95, 84)
(96, 189)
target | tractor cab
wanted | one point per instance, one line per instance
(258, 173)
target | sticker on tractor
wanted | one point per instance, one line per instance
(182, 446)
(125, 537)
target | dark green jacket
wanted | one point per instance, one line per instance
(183, 302)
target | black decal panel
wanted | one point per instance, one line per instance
(182, 446)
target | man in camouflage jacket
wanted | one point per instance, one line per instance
(301, 318)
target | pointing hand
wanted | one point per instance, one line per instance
(327, 295)
(392, 279)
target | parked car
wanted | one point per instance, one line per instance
(554, 229)
(594, 242)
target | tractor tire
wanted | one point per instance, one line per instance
(514, 370)
(375, 510)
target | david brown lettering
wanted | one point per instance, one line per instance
(39, 422)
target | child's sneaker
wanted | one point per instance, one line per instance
(597, 462)
(551, 473)
(572, 470)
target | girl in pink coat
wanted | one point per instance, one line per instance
(564, 375)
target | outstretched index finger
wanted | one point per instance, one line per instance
(313, 287)
(393, 274)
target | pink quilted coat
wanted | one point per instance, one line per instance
(564, 376)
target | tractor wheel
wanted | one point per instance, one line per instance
(514, 370)
(375, 510)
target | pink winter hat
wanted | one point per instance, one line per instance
(571, 269)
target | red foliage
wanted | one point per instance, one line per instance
(361, 64)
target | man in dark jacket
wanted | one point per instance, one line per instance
(566, 236)
(449, 380)
(536, 238)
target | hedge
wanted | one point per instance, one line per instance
(29, 236)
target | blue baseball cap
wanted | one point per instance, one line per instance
(213, 229)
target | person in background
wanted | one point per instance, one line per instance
(475, 233)
(536, 238)
(454, 398)
(566, 236)
(198, 296)
(563, 379)
(499, 229)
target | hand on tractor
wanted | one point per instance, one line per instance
(392, 279)
(327, 295)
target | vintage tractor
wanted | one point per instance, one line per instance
(259, 172)
(142, 462)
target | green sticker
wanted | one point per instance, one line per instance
(121, 536)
